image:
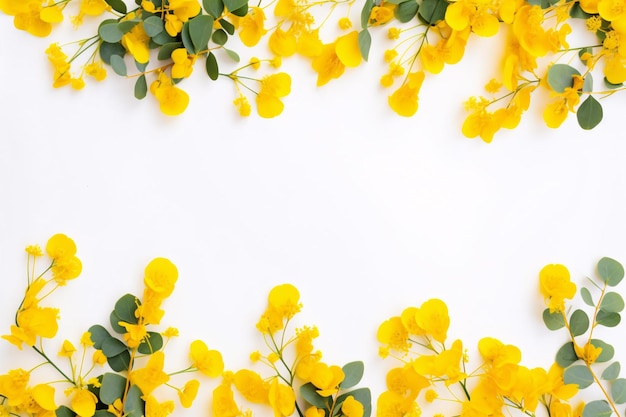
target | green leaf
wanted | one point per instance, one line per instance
(365, 42)
(213, 7)
(103, 413)
(186, 38)
(362, 395)
(589, 113)
(579, 375)
(133, 404)
(365, 13)
(163, 38)
(607, 350)
(107, 50)
(587, 298)
(212, 68)
(232, 54)
(120, 362)
(612, 302)
(200, 28)
(588, 83)
(544, 4)
(117, 5)
(612, 86)
(578, 13)
(125, 308)
(113, 347)
(64, 411)
(127, 25)
(141, 87)
(566, 355)
(98, 334)
(608, 319)
(579, 322)
(109, 32)
(141, 66)
(227, 26)
(118, 65)
(554, 320)
(598, 408)
(611, 372)
(152, 343)
(166, 50)
(406, 11)
(310, 395)
(153, 25)
(112, 387)
(611, 271)
(115, 319)
(433, 11)
(560, 77)
(233, 5)
(220, 37)
(618, 391)
(242, 11)
(353, 372)
(584, 51)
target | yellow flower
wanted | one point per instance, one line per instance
(314, 412)
(160, 276)
(282, 399)
(432, 316)
(209, 362)
(93, 7)
(183, 64)
(285, 298)
(588, 353)
(223, 403)
(32, 323)
(381, 14)
(347, 49)
(99, 357)
(151, 376)
(252, 387)
(67, 349)
(184, 9)
(13, 386)
(170, 332)
(555, 286)
(404, 101)
(44, 395)
(344, 23)
(135, 333)
(251, 26)
(497, 353)
(243, 105)
(282, 43)
(393, 333)
(59, 245)
(66, 268)
(351, 407)
(34, 250)
(188, 394)
(84, 402)
(273, 87)
(326, 378)
(406, 381)
(136, 42)
(156, 409)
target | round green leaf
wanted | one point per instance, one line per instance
(353, 372)
(310, 395)
(98, 334)
(232, 55)
(125, 308)
(433, 11)
(107, 50)
(554, 320)
(566, 355)
(153, 25)
(112, 387)
(64, 411)
(618, 391)
(587, 298)
(213, 7)
(141, 87)
(611, 271)
(127, 25)
(598, 408)
(120, 362)
(219, 37)
(212, 68)
(115, 323)
(612, 302)
(611, 372)
(113, 347)
(579, 322)
(406, 11)
(118, 65)
(109, 32)
(589, 113)
(560, 77)
(165, 52)
(607, 350)
(579, 375)
(133, 404)
(612, 86)
(200, 29)
(152, 343)
(608, 319)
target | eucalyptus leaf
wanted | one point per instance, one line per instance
(310, 395)
(589, 113)
(120, 362)
(117, 5)
(166, 50)
(586, 295)
(579, 322)
(153, 25)
(113, 347)
(109, 32)
(213, 7)
(133, 404)
(612, 302)
(353, 372)
(227, 26)
(608, 319)
(115, 323)
(64, 411)
(618, 391)
(607, 350)
(611, 271)
(365, 13)
(566, 355)
(611, 372)
(554, 320)
(107, 50)
(152, 343)
(232, 55)
(406, 11)
(98, 334)
(235, 4)
(212, 68)
(127, 25)
(200, 29)
(220, 37)
(365, 43)
(560, 77)
(588, 83)
(242, 11)
(112, 387)
(103, 413)
(118, 65)
(579, 375)
(597, 408)
(362, 395)
(141, 87)
(432, 11)
(125, 308)
(612, 86)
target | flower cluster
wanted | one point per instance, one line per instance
(164, 40)
(437, 371)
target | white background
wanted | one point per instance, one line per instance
(364, 211)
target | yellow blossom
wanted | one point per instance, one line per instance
(352, 407)
(59, 245)
(67, 349)
(282, 399)
(84, 402)
(209, 362)
(252, 387)
(269, 104)
(151, 376)
(160, 276)
(404, 101)
(223, 403)
(554, 280)
(588, 353)
(251, 26)
(156, 409)
(189, 392)
(326, 378)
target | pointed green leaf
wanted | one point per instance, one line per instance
(310, 395)
(588, 83)
(200, 29)
(212, 68)
(227, 26)
(109, 32)
(98, 334)
(153, 25)
(560, 77)
(152, 343)
(113, 347)
(118, 65)
(618, 391)
(433, 11)
(610, 271)
(64, 411)
(587, 298)
(120, 362)
(365, 13)
(612, 86)
(589, 113)
(598, 408)
(242, 11)
(232, 5)
(213, 7)
(117, 5)
(608, 319)
(611, 372)
(554, 320)
(566, 355)
(612, 302)
(607, 350)
(166, 50)
(232, 55)
(186, 38)
(133, 404)
(365, 42)
(112, 387)
(353, 372)
(107, 50)
(141, 87)
(579, 375)
(406, 11)
(579, 322)
(127, 25)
